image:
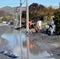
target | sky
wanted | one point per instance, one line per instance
(14, 3)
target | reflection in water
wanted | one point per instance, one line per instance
(40, 56)
(36, 52)
(55, 52)
(3, 44)
(14, 40)
(11, 37)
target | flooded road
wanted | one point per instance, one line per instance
(37, 49)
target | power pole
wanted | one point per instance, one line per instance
(16, 16)
(27, 27)
(20, 30)
(59, 5)
(20, 11)
(27, 16)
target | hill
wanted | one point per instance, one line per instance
(12, 10)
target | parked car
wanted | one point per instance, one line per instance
(10, 22)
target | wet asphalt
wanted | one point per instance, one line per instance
(3, 42)
(49, 43)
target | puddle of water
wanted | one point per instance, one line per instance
(14, 43)
(13, 37)
(40, 56)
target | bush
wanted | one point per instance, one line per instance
(4, 19)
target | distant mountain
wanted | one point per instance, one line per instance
(2, 13)
(12, 10)
(7, 9)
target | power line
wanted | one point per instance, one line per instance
(23, 2)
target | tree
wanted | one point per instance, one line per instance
(4, 19)
(24, 14)
(36, 11)
(33, 6)
(57, 21)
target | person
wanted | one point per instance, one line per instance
(30, 26)
(17, 21)
(47, 29)
(39, 24)
(52, 29)
(36, 28)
